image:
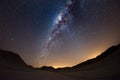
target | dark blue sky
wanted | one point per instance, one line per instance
(25, 26)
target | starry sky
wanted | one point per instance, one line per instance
(26, 24)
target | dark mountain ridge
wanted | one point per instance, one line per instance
(108, 53)
(12, 60)
(110, 56)
(103, 67)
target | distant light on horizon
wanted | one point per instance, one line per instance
(91, 55)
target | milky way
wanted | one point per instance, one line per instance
(61, 23)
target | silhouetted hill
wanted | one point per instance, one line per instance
(108, 59)
(103, 67)
(47, 68)
(11, 60)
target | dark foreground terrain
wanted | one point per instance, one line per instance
(104, 67)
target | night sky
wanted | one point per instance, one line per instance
(26, 24)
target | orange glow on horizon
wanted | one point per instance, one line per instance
(60, 66)
(76, 59)
(95, 54)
